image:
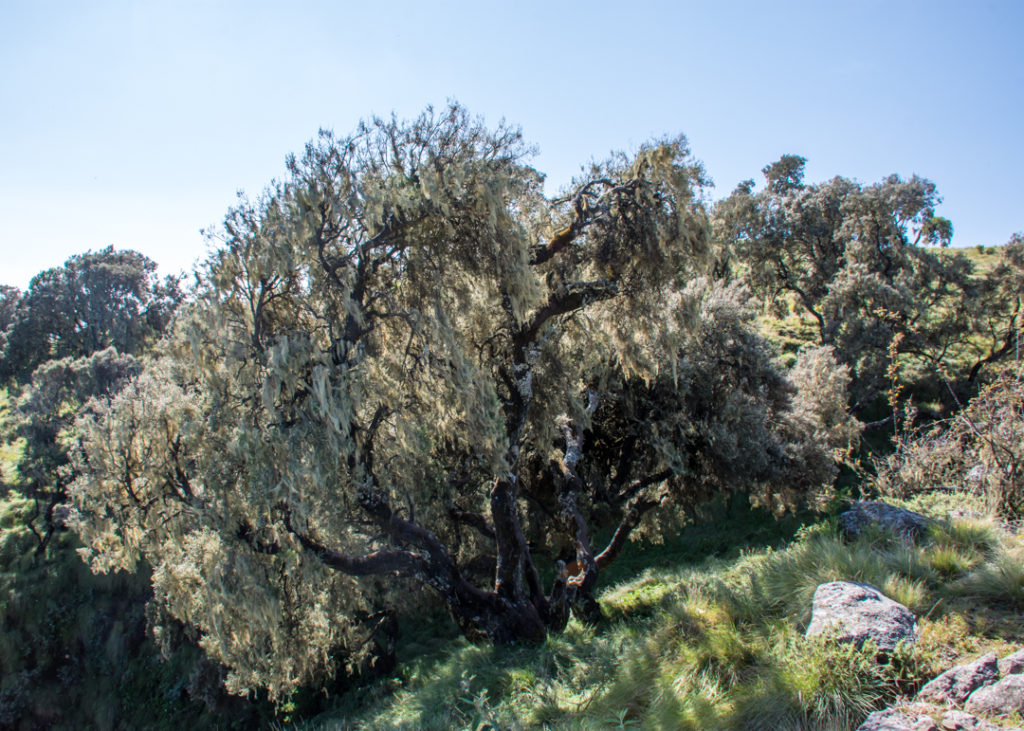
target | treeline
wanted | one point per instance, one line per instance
(405, 369)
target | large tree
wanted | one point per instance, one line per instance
(405, 363)
(857, 261)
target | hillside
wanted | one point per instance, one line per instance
(706, 632)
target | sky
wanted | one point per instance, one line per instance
(134, 124)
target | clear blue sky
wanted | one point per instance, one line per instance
(133, 124)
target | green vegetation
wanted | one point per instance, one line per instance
(717, 642)
(426, 448)
(406, 365)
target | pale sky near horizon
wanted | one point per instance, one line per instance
(133, 124)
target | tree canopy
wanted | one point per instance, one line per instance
(405, 362)
(853, 258)
(96, 300)
(71, 337)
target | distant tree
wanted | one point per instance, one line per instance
(996, 311)
(110, 298)
(72, 337)
(853, 258)
(406, 362)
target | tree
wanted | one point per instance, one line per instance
(854, 259)
(109, 298)
(405, 362)
(995, 314)
(59, 389)
(72, 337)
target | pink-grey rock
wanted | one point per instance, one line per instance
(1012, 664)
(1002, 698)
(893, 720)
(887, 519)
(954, 685)
(849, 611)
(960, 721)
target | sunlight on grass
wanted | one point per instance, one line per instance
(719, 643)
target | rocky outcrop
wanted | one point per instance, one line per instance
(1002, 698)
(961, 721)
(870, 515)
(848, 611)
(954, 685)
(976, 686)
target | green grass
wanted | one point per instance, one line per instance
(716, 641)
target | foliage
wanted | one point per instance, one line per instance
(705, 643)
(405, 363)
(59, 389)
(9, 297)
(96, 300)
(853, 258)
(996, 310)
(74, 651)
(980, 448)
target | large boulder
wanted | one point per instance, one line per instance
(869, 515)
(849, 611)
(1002, 698)
(894, 720)
(954, 685)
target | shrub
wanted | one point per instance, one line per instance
(980, 449)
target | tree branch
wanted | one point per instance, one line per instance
(638, 506)
(377, 562)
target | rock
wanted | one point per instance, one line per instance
(893, 720)
(999, 699)
(853, 612)
(954, 685)
(1012, 664)
(885, 518)
(961, 721)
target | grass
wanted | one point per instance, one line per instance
(716, 641)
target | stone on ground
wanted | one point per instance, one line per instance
(893, 720)
(868, 515)
(1002, 698)
(1012, 664)
(954, 685)
(852, 612)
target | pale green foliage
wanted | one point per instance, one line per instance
(853, 259)
(822, 385)
(406, 333)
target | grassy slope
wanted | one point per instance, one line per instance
(716, 641)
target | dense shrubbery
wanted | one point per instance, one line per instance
(858, 263)
(980, 449)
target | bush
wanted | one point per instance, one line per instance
(980, 449)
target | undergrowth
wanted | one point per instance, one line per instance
(716, 641)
